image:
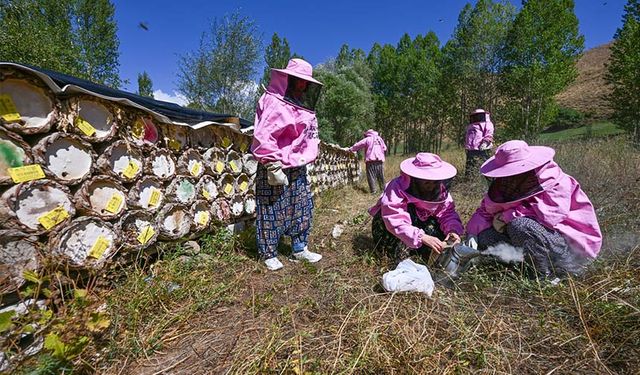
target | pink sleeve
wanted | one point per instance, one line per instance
(384, 145)
(265, 144)
(398, 221)
(480, 220)
(359, 145)
(488, 132)
(449, 219)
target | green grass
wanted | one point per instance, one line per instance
(589, 131)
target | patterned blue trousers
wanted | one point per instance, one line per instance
(282, 210)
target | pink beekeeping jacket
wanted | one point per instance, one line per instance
(479, 132)
(373, 144)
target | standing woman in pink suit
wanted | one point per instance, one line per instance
(533, 205)
(374, 158)
(478, 140)
(285, 140)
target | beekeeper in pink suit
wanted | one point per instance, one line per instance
(375, 148)
(416, 213)
(533, 205)
(478, 140)
(285, 140)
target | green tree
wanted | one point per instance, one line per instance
(624, 71)
(145, 85)
(541, 50)
(277, 55)
(219, 75)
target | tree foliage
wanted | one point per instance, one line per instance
(145, 85)
(277, 55)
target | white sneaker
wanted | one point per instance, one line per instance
(273, 264)
(307, 255)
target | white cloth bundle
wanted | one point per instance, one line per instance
(408, 277)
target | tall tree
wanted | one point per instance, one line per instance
(145, 85)
(219, 76)
(541, 50)
(624, 71)
(277, 55)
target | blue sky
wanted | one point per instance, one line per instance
(315, 29)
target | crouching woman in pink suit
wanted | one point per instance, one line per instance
(533, 205)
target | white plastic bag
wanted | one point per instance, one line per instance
(408, 277)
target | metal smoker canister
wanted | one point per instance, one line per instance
(455, 259)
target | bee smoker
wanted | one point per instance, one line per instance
(455, 259)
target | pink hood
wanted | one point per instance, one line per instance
(393, 206)
(283, 131)
(479, 132)
(373, 144)
(561, 206)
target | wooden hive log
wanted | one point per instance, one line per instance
(237, 206)
(207, 188)
(31, 108)
(174, 222)
(139, 230)
(250, 204)
(227, 186)
(87, 243)
(160, 164)
(174, 137)
(201, 217)
(241, 142)
(121, 161)
(36, 207)
(93, 119)
(147, 194)
(14, 152)
(203, 138)
(224, 138)
(243, 184)
(221, 211)
(101, 196)
(19, 252)
(65, 157)
(234, 163)
(182, 190)
(215, 161)
(249, 164)
(141, 130)
(191, 163)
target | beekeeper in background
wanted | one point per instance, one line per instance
(478, 140)
(374, 149)
(285, 140)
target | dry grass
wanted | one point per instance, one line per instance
(231, 316)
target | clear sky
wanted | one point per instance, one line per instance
(315, 29)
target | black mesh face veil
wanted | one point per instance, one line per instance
(514, 188)
(302, 93)
(477, 117)
(429, 190)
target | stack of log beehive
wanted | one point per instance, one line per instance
(84, 178)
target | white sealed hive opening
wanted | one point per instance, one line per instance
(243, 184)
(33, 109)
(121, 161)
(215, 161)
(14, 152)
(237, 206)
(191, 163)
(139, 230)
(174, 221)
(87, 242)
(207, 188)
(250, 204)
(227, 186)
(161, 164)
(65, 157)
(201, 217)
(142, 131)
(36, 207)
(93, 120)
(147, 194)
(249, 164)
(101, 196)
(234, 163)
(176, 138)
(221, 210)
(19, 252)
(182, 190)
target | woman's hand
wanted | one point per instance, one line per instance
(433, 242)
(452, 237)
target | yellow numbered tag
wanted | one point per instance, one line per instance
(206, 194)
(233, 166)
(53, 217)
(244, 185)
(154, 198)
(195, 169)
(226, 142)
(146, 234)
(26, 173)
(137, 130)
(114, 203)
(99, 247)
(8, 110)
(174, 145)
(131, 170)
(203, 217)
(244, 147)
(85, 127)
(228, 188)
(219, 167)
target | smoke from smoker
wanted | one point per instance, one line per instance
(505, 253)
